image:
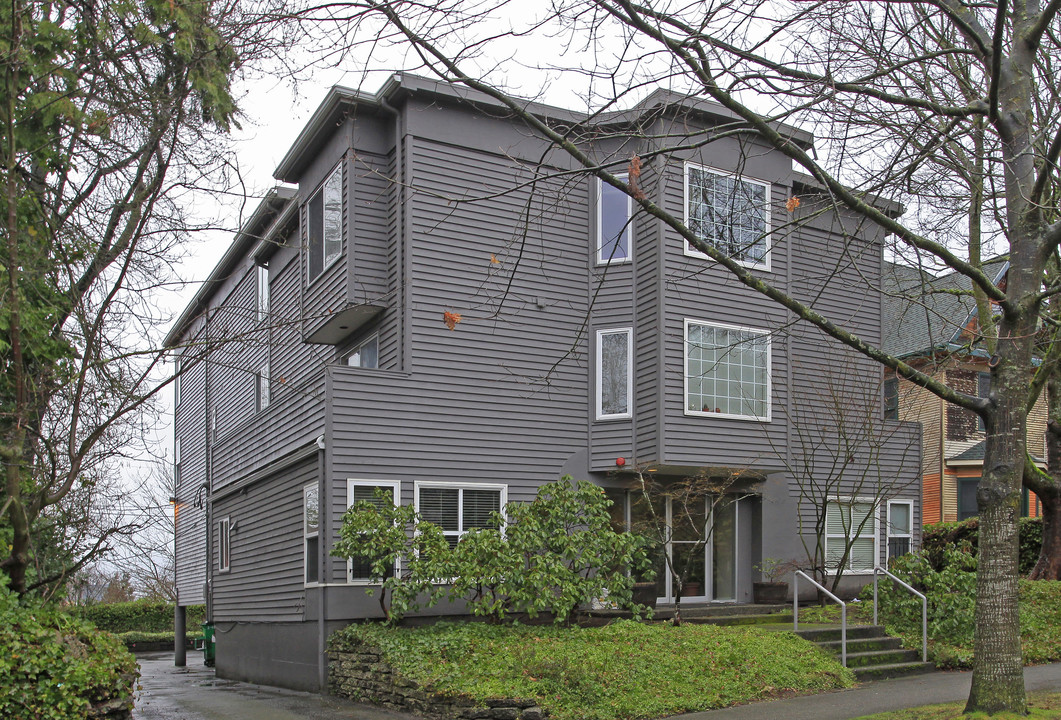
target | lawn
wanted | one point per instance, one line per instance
(1041, 706)
(623, 670)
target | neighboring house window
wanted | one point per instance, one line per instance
(177, 382)
(614, 376)
(224, 537)
(614, 209)
(850, 522)
(967, 498)
(262, 388)
(360, 571)
(459, 508)
(727, 371)
(983, 389)
(732, 213)
(324, 219)
(176, 461)
(891, 399)
(311, 531)
(900, 527)
(263, 292)
(365, 355)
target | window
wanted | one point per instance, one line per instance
(263, 292)
(223, 544)
(459, 508)
(614, 378)
(967, 507)
(261, 388)
(727, 371)
(983, 389)
(900, 527)
(365, 355)
(324, 219)
(311, 531)
(614, 209)
(177, 382)
(732, 213)
(359, 570)
(891, 399)
(850, 523)
(176, 461)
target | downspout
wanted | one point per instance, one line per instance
(323, 510)
(208, 589)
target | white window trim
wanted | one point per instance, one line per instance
(888, 526)
(306, 535)
(629, 332)
(263, 291)
(767, 235)
(628, 231)
(325, 261)
(769, 372)
(503, 500)
(224, 544)
(351, 483)
(874, 513)
(357, 349)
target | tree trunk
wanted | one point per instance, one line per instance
(1048, 491)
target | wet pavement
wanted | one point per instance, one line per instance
(166, 692)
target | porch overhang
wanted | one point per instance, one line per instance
(341, 324)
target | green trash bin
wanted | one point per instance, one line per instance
(206, 643)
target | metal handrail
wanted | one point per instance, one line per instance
(843, 610)
(924, 608)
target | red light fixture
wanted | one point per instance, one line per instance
(619, 462)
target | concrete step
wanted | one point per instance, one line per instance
(863, 645)
(745, 620)
(854, 632)
(878, 658)
(883, 672)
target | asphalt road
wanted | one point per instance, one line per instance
(166, 692)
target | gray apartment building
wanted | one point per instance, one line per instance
(437, 303)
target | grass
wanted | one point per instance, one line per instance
(1041, 706)
(620, 671)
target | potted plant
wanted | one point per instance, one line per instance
(772, 590)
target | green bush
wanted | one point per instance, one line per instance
(139, 615)
(55, 666)
(938, 537)
(951, 592)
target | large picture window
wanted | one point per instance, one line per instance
(614, 209)
(360, 570)
(727, 371)
(459, 508)
(614, 378)
(324, 219)
(730, 212)
(850, 524)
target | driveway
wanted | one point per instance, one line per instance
(166, 692)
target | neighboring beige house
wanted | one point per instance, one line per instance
(932, 325)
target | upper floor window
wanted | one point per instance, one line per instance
(614, 210)
(263, 292)
(614, 378)
(262, 391)
(459, 508)
(365, 355)
(324, 218)
(177, 382)
(891, 399)
(850, 535)
(727, 371)
(730, 212)
(224, 537)
(176, 461)
(311, 531)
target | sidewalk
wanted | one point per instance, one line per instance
(875, 697)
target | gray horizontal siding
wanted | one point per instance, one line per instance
(190, 427)
(371, 198)
(266, 577)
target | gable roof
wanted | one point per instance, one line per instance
(925, 313)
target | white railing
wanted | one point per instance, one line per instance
(924, 608)
(843, 610)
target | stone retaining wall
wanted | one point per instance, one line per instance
(359, 673)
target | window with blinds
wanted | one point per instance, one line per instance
(458, 509)
(850, 524)
(359, 570)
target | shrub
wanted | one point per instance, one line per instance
(139, 615)
(554, 554)
(55, 666)
(951, 592)
(938, 537)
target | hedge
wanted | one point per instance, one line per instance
(940, 536)
(149, 616)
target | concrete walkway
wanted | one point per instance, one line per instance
(876, 697)
(166, 692)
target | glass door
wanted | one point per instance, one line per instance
(724, 550)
